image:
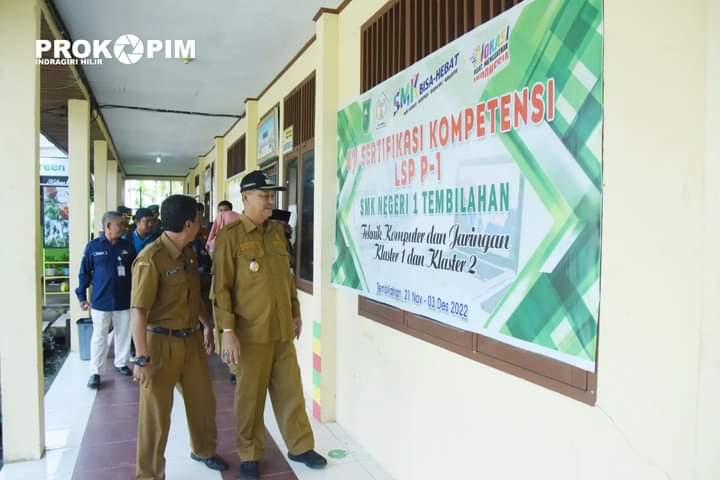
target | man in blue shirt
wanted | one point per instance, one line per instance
(143, 234)
(106, 266)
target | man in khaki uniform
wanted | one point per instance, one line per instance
(171, 344)
(257, 307)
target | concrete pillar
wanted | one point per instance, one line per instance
(112, 185)
(220, 172)
(100, 162)
(200, 171)
(79, 158)
(251, 115)
(121, 188)
(20, 341)
(326, 104)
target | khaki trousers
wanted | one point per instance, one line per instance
(270, 367)
(182, 362)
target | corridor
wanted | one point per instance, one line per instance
(92, 436)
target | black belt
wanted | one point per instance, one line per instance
(182, 333)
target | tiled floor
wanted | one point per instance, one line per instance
(92, 436)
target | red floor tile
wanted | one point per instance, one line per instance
(101, 433)
(107, 455)
(108, 448)
(115, 473)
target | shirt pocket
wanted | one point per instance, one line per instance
(173, 285)
(173, 276)
(251, 265)
(280, 249)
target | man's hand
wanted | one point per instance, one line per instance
(85, 305)
(230, 348)
(297, 325)
(209, 337)
(142, 375)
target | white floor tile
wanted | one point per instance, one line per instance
(350, 471)
(320, 430)
(326, 445)
(375, 470)
(352, 462)
(336, 430)
(56, 464)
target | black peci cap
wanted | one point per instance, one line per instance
(258, 180)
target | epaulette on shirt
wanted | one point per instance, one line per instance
(149, 252)
(232, 225)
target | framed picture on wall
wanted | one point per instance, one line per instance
(267, 136)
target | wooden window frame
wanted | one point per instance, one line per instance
(298, 153)
(299, 112)
(236, 157)
(560, 377)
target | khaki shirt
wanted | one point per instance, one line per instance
(259, 305)
(166, 284)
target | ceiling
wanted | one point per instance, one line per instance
(240, 46)
(57, 85)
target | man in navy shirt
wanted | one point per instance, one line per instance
(106, 266)
(143, 234)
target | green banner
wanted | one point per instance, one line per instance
(470, 184)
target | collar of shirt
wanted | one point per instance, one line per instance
(103, 239)
(250, 225)
(171, 248)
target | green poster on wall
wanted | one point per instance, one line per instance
(470, 184)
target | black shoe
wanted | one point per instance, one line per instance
(94, 382)
(250, 470)
(233, 379)
(213, 463)
(311, 459)
(124, 371)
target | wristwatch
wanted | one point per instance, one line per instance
(140, 361)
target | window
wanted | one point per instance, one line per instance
(299, 115)
(236, 158)
(299, 112)
(401, 33)
(300, 201)
(141, 193)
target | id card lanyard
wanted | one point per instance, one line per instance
(120, 267)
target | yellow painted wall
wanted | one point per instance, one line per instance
(423, 412)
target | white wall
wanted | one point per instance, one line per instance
(708, 419)
(423, 412)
